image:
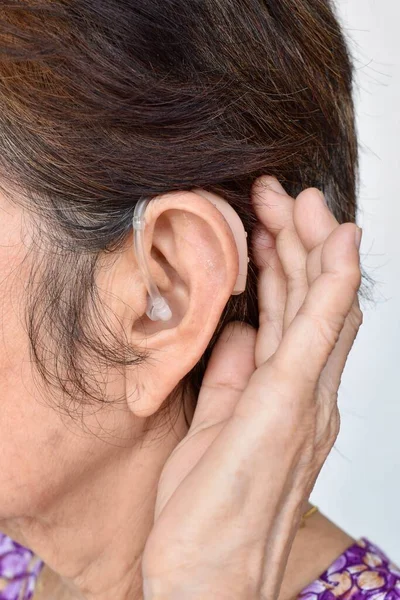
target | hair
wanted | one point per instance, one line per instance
(103, 102)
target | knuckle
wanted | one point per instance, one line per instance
(327, 327)
(280, 377)
(273, 319)
(326, 441)
(229, 383)
(329, 422)
(297, 280)
(297, 274)
(335, 427)
(357, 317)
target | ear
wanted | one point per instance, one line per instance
(193, 259)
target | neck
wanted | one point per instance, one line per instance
(92, 538)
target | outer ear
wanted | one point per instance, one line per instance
(193, 259)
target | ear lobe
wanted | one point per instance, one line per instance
(193, 258)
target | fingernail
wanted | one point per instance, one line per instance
(358, 237)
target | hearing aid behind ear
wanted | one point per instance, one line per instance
(157, 307)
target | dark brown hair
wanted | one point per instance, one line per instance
(105, 101)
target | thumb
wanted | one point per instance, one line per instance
(230, 367)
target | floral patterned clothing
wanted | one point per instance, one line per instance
(362, 572)
(19, 570)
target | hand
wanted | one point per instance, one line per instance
(232, 493)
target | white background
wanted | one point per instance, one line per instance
(359, 486)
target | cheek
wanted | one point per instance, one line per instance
(39, 454)
(31, 441)
(44, 455)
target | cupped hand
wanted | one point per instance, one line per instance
(232, 493)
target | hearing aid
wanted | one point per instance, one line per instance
(157, 308)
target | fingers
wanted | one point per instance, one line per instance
(305, 222)
(274, 208)
(310, 339)
(314, 222)
(229, 369)
(312, 218)
(271, 295)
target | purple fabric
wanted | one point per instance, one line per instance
(363, 571)
(19, 570)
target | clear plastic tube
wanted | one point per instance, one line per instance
(157, 307)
